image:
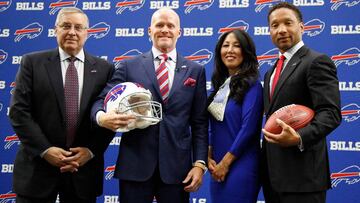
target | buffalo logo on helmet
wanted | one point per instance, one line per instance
(99, 30)
(132, 99)
(349, 175)
(261, 4)
(4, 5)
(202, 57)
(347, 3)
(30, 31)
(131, 5)
(350, 57)
(56, 6)
(314, 27)
(198, 4)
(350, 112)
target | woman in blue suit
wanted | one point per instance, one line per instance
(236, 108)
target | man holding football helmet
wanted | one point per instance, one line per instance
(164, 143)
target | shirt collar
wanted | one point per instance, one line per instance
(172, 54)
(290, 52)
(63, 55)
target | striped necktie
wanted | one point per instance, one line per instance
(162, 76)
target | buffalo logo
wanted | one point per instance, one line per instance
(99, 30)
(314, 27)
(3, 56)
(350, 112)
(338, 3)
(4, 5)
(199, 4)
(30, 31)
(128, 55)
(349, 175)
(12, 86)
(114, 93)
(237, 25)
(10, 141)
(56, 6)
(261, 4)
(109, 172)
(132, 5)
(202, 57)
(350, 57)
(8, 197)
(269, 57)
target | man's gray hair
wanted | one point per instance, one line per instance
(68, 10)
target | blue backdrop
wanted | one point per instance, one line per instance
(119, 31)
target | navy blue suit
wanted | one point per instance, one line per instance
(179, 139)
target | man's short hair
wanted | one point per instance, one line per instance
(68, 10)
(288, 6)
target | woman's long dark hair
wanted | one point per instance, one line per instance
(248, 72)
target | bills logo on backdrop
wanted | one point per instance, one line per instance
(202, 57)
(127, 55)
(4, 5)
(132, 5)
(30, 31)
(109, 172)
(56, 6)
(338, 3)
(350, 112)
(3, 56)
(261, 4)
(11, 140)
(349, 175)
(12, 86)
(1, 106)
(268, 57)
(99, 30)
(350, 57)
(198, 4)
(314, 27)
(237, 25)
(8, 197)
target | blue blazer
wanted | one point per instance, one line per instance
(179, 139)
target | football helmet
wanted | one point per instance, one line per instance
(132, 99)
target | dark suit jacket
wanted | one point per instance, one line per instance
(37, 115)
(309, 79)
(176, 141)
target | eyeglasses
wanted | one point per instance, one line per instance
(77, 27)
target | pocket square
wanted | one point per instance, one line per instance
(190, 82)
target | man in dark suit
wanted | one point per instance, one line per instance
(60, 152)
(166, 160)
(295, 163)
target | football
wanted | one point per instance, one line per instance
(295, 115)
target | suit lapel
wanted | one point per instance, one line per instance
(88, 84)
(289, 69)
(53, 68)
(180, 72)
(148, 66)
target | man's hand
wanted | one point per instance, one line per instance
(55, 156)
(195, 176)
(80, 156)
(287, 137)
(113, 121)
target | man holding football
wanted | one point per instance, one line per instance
(295, 165)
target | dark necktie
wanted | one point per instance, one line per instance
(71, 91)
(162, 76)
(278, 69)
